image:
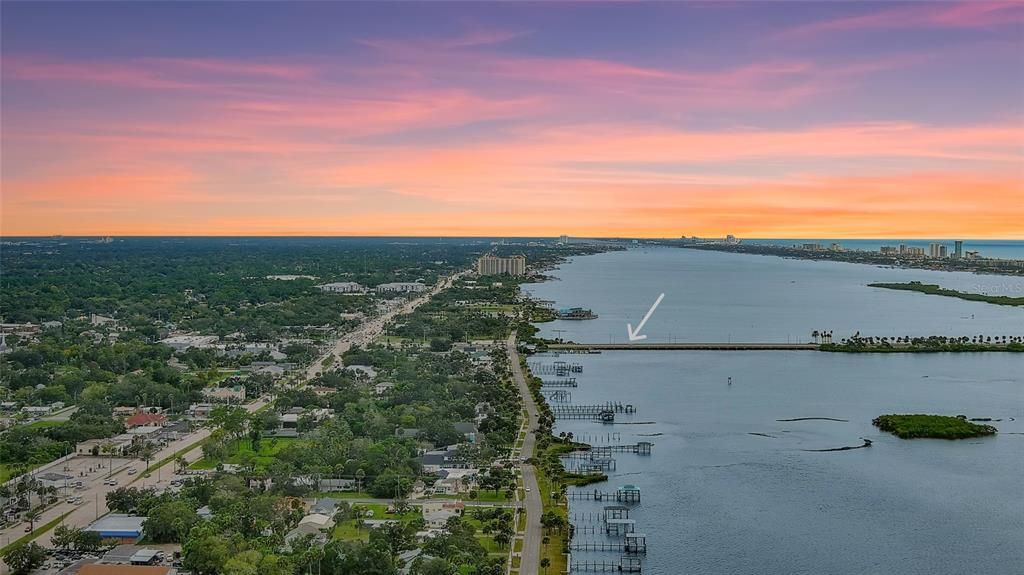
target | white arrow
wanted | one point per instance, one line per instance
(634, 335)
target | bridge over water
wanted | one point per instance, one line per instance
(690, 346)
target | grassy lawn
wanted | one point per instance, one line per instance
(341, 495)
(349, 530)
(8, 471)
(269, 448)
(43, 423)
(553, 550)
(482, 496)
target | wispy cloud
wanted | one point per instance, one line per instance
(969, 14)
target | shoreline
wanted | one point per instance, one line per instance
(998, 267)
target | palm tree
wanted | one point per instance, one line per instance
(32, 515)
(360, 474)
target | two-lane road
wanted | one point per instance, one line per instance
(529, 562)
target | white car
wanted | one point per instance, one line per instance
(132, 471)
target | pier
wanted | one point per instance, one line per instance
(628, 564)
(694, 346)
(635, 543)
(624, 494)
(639, 448)
(593, 409)
(558, 368)
(567, 382)
(557, 395)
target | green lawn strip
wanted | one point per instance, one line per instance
(8, 471)
(481, 496)
(36, 532)
(349, 530)
(44, 423)
(269, 448)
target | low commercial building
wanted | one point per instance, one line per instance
(143, 419)
(401, 287)
(104, 569)
(341, 287)
(234, 394)
(127, 528)
(200, 411)
(115, 446)
(183, 342)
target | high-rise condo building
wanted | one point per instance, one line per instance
(936, 250)
(495, 266)
(958, 249)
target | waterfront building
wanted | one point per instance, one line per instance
(889, 250)
(493, 265)
(936, 250)
(563, 239)
(913, 251)
(958, 249)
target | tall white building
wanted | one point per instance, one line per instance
(494, 266)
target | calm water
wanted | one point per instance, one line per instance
(717, 500)
(715, 296)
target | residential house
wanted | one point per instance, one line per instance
(455, 481)
(447, 458)
(330, 484)
(407, 432)
(467, 429)
(437, 513)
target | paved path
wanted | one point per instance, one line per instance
(93, 496)
(529, 563)
(371, 329)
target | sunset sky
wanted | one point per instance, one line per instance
(767, 119)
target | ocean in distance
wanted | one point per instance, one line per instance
(719, 500)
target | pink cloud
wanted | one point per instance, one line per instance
(972, 14)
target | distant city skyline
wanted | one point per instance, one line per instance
(830, 120)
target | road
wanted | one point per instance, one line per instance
(370, 330)
(94, 493)
(691, 346)
(529, 562)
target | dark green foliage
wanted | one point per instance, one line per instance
(933, 289)
(23, 559)
(933, 426)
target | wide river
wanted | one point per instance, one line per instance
(719, 500)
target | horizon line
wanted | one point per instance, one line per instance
(443, 236)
